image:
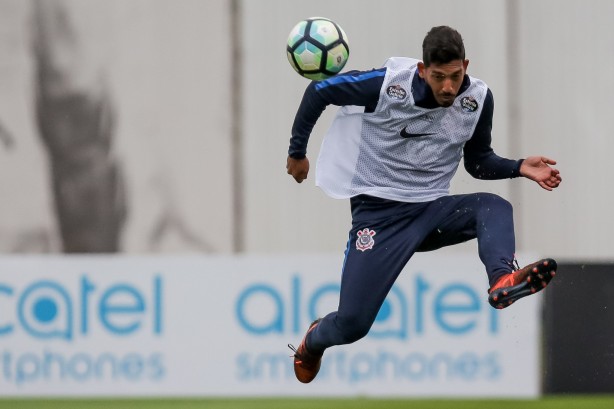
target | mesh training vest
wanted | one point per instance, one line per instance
(400, 151)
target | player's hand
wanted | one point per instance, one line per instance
(298, 168)
(538, 168)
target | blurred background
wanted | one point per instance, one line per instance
(161, 127)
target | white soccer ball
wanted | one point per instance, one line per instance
(317, 48)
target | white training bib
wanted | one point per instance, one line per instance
(400, 151)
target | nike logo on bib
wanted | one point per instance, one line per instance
(405, 134)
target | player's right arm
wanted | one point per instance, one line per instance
(359, 88)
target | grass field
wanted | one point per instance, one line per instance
(558, 402)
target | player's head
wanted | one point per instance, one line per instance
(442, 45)
(443, 63)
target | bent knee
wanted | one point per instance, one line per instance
(353, 328)
(496, 201)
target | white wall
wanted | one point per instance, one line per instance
(172, 80)
(566, 91)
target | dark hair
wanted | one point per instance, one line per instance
(441, 45)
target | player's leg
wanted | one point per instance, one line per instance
(380, 244)
(383, 238)
(366, 281)
(489, 218)
(484, 216)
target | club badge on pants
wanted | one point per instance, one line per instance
(365, 239)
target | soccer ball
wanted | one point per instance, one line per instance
(317, 48)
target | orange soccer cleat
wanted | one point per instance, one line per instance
(306, 364)
(522, 282)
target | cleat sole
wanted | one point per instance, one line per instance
(538, 279)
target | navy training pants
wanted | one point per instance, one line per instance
(384, 236)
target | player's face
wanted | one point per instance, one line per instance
(444, 79)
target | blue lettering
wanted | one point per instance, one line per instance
(47, 366)
(8, 328)
(441, 364)
(414, 366)
(492, 368)
(109, 361)
(494, 321)
(157, 305)
(441, 308)
(383, 365)
(316, 296)
(451, 308)
(393, 316)
(51, 360)
(46, 309)
(277, 322)
(132, 366)
(467, 366)
(157, 367)
(243, 367)
(386, 362)
(34, 312)
(27, 368)
(80, 367)
(361, 367)
(296, 303)
(6, 365)
(421, 288)
(86, 288)
(107, 309)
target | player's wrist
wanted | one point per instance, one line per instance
(297, 155)
(517, 171)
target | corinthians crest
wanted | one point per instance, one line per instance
(365, 239)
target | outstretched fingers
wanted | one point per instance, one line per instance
(548, 161)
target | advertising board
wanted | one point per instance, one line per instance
(219, 326)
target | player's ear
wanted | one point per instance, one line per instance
(421, 69)
(465, 64)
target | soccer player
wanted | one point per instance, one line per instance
(393, 149)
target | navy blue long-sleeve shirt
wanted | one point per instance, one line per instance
(362, 88)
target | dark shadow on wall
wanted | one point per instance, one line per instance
(76, 113)
(76, 123)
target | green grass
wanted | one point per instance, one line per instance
(556, 402)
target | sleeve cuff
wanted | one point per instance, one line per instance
(296, 155)
(516, 170)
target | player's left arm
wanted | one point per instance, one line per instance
(483, 163)
(480, 160)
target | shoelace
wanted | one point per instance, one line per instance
(296, 355)
(513, 264)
